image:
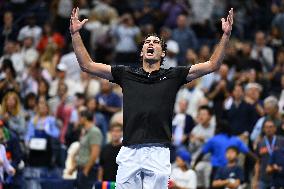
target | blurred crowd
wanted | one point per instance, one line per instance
(228, 125)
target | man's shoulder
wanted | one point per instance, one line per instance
(95, 131)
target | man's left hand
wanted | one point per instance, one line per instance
(227, 23)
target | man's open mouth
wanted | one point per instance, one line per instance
(150, 51)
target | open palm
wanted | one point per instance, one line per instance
(75, 23)
(228, 22)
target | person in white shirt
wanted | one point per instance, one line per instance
(262, 53)
(193, 95)
(182, 177)
(30, 29)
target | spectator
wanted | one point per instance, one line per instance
(271, 110)
(204, 130)
(12, 114)
(127, 36)
(88, 85)
(28, 50)
(275, 168)
(14, 155)
(232, 175)
(265, 149)
(49, 37)
(8, 31)
(185, 37)
(61, 11)
(12, 52)
(99, 120)
(217, 146)
(277, 72)
(172, 9)
(200, 134)
(41, 133)
(43, 88)
(262, 53)
(73, 70)
(89, 152)
(252, 96)
(8, 78)
(108, 102)
(5, 165)
(219, 91)
(61, 71)
(172, 51)
(182, 176)
(30, 102)
(30, 29)
(182, 125)
(193, 95)
(240, 115)
(108, 166)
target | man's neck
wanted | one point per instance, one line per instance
(206, 125)
(88, 125)
(231, 164)
(115, 143)
(151, 67)
(270, 137)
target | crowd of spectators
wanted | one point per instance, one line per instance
(228, 125)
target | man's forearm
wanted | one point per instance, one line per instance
(219, 53)
(81, 52)
(90, 163)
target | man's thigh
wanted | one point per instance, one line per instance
(128, 174)
(156, 168)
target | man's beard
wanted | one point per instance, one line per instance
(151, 60)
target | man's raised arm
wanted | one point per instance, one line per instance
(83, 57)
(217, 57)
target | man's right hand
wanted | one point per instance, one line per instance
(75, 23)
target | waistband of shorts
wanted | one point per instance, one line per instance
(164, 145)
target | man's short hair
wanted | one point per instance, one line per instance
(234, 148)
(87, 114)
(163, 44)
(207, 108)
(271, 100)
(115, 125)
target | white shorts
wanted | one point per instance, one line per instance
(143, 167)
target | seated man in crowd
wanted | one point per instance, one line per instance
(232, 175)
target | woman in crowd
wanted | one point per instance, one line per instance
(41, 132)
(12, 115)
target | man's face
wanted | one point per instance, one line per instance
(152, 50)
(203, 117)
(116, 133)
(231, 155)
(238, 92)
(269, 128)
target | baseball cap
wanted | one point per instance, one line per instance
(184, 155)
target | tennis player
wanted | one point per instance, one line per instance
(148, 101)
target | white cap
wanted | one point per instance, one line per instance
(61, 67)
(172, 46)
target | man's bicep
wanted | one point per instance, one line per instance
(95, 150)
(199, 70)
(101, 70)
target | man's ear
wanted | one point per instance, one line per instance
(163, 54)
